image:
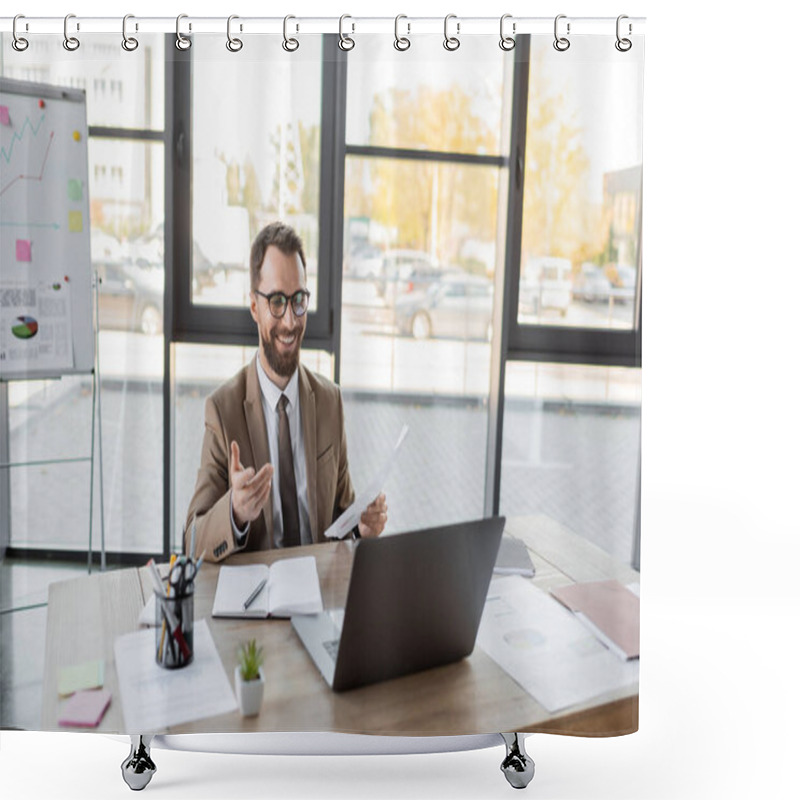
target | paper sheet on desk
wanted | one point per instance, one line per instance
(153, 698)
(349, 519)
(541, 645)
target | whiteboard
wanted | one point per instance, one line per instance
(46, 310)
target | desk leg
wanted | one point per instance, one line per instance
(518, 766)
(138, 768)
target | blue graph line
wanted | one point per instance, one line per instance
(54, 225)
(18, 137)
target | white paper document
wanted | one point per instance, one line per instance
(35, 327)
(154, 698)
(349, 519)
(548, 652)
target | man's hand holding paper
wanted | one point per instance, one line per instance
(369, 510)
(373, 520)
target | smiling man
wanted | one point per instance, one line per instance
(273, 470)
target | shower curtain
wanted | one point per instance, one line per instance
(470, 206)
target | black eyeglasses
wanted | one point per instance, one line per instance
(279, 302)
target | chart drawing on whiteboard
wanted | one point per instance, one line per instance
(44, 232)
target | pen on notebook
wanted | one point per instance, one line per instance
(256, 593)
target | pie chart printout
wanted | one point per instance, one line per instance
(25, 328)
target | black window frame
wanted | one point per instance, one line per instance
(232, 325)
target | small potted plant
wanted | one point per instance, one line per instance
(249, 678)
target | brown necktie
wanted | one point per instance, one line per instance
(291, 516)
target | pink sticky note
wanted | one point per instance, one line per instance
(23, 250)
(85, 709)
(5, 118)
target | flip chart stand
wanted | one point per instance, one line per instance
(6, 466)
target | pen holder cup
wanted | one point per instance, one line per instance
(175, 629)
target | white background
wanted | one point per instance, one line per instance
(720, 597)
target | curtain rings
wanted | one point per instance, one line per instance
(181, 42)
(561, 43)
(623, 45)
(401, 43)
(289, 44)
(451, 42)
(71, 43)
(346, 42)
(233, 44)
(19, 43)
(507, 42)
(129, 43)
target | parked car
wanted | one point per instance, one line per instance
(405, 271)
(546, 284)
(623, 282)
(364, 261)
(591, 285)
(458, 306)
(131, 296)
(149, 248)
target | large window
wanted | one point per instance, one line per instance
(571, 448)
(252, 162)
(577, 282)
(583, 173)
(423, 236)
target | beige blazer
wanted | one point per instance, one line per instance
(234, 411)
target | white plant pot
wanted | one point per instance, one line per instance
(249, 693)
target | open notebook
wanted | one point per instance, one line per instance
(292, 587)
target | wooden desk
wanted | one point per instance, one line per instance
(472, 696)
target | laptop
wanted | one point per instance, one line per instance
(414, 601)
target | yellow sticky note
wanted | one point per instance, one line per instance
(76, 135)
(81, 676)
(75, 221)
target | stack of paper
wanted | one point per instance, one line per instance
(154, 698)
(545, 649)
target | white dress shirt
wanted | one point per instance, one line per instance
(270, 395)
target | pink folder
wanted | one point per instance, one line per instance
(609, 606)
(85, 709)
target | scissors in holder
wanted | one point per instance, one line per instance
(181, 575)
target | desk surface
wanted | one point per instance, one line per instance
(85, 615)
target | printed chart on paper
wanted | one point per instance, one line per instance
(45, 281)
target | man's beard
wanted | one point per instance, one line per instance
(283, 364)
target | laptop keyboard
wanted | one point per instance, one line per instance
(332, 647)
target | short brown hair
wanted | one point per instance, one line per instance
(281, 235)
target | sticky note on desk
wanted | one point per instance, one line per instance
(5, 117)
(85, 709)
(90, 675)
